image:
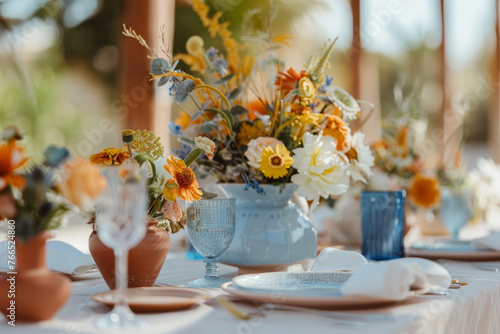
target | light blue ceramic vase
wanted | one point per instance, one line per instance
(270, 229)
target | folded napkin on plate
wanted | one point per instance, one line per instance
(61, 257)
(390, 280)
(331, 259)
(491, 241)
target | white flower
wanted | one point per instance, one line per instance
(160, 171)
(321, 171)
(206, 145)
(255, 147)
(360, 158)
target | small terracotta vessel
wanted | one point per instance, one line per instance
(39, 293)
(144, 260)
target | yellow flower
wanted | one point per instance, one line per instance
(194, 45)
(110, 156)
(188, 188)
(275, 164)
(248, 131)
(169, 190)
(307, 90)
(424, 191)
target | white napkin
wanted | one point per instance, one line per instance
(61, 257)
(491, 241)
(389, 280)
(331, 259)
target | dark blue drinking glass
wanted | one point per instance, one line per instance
(383, 224)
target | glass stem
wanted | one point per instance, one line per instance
(121, 274)
(211, 267)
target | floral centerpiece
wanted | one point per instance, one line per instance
(169, 181)
(294, 129)
(34, 197)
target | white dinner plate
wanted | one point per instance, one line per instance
(311, 283)
(305, 300)
(452, 250)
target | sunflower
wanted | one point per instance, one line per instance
(188, 188)
(110, 156)
(338, 129)
(275, 164)
(12, 158)
(424, 191)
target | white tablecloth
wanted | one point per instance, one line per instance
(472, 309)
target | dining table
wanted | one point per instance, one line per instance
(473, 308)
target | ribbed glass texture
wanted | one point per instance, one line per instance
(210, 228)
(210, 225)
(383, 224)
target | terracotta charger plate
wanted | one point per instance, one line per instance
(155, 299)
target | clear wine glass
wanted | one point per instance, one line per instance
(456, 209)
(121, 225)
(210, 228)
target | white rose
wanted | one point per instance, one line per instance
(255, 147)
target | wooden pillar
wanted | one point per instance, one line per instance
(365, 80)
(356, 48)
(136, 91)
(494, 115)
(141, 107)
(444, 87)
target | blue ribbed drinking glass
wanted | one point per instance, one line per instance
(383, 224)
(210, 229)
(456, 209)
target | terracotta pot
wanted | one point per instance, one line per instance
(39, 293)
(144, 260)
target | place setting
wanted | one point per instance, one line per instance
(211, 166)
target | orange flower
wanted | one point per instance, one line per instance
(256, 108)
(110, 156)
(12, 158)
(185, 179)
(286, 82)
(81, 182)
(424, 191)
(337, 128)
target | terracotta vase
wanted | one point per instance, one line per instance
(144, 260)
(39, 293)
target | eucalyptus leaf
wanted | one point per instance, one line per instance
(238, 110)
(159, 66)
(234, 94)
(54, 156)
(207, 195)
(163, 81)
(224, 79)
(183, 90)
(208, 126)
(195, 116)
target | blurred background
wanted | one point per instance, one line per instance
(68, 75)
